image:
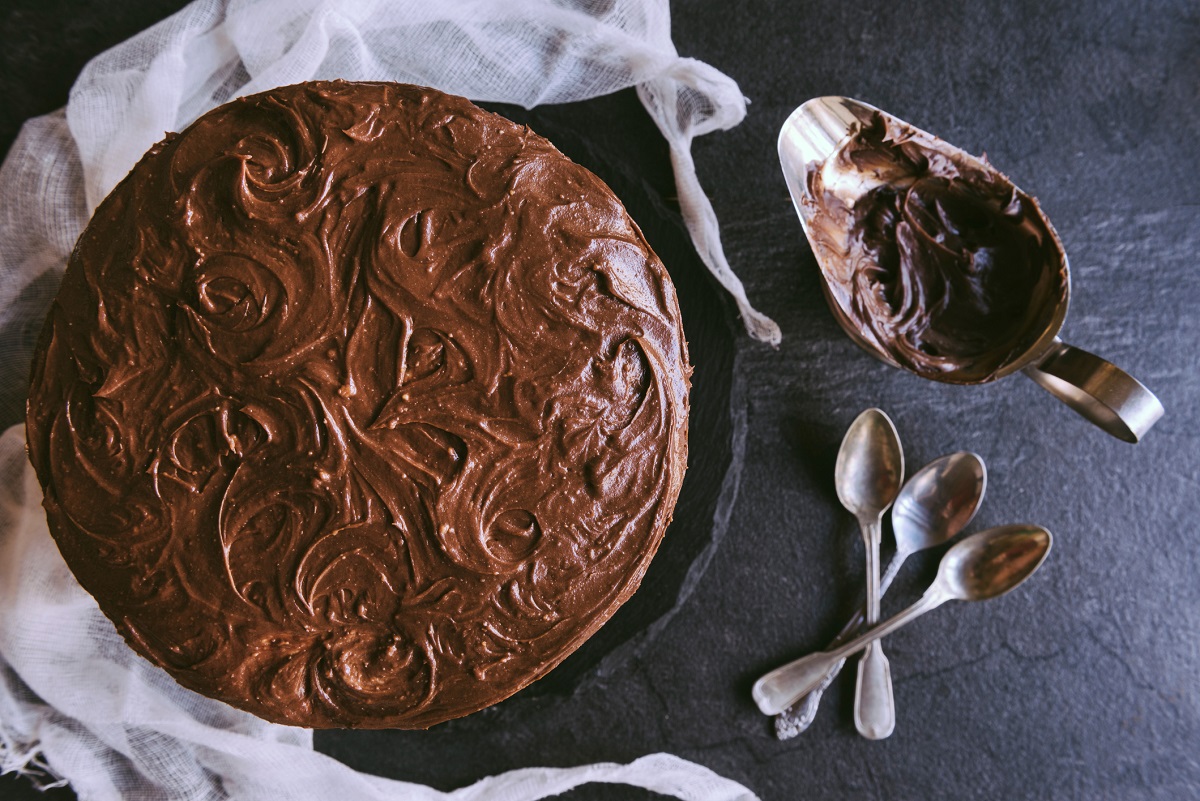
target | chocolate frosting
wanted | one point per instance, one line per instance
(359, 406)
(945, 267)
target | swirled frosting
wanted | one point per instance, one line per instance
(359, 406)
(936, 260)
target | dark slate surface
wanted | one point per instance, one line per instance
(1082, 684)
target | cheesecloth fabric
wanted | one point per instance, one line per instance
(76, 704)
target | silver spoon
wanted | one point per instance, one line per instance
(1096, 389)
(933, 507)
(982, 566)
(869, 471)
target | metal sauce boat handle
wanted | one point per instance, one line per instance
(1100, 391)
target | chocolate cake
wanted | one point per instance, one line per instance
(359, 406)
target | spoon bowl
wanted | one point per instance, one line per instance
(993, 562)
(938, 502)
(870, 465)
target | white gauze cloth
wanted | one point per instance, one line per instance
(76, 704)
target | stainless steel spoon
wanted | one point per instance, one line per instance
(869, 471)
(982, 566)
(1096, 389)
(933, 507)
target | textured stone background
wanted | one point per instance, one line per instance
(1084, 684)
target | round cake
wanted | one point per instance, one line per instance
(359, 406)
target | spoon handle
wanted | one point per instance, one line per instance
(874, 704)
(871, 531)
(797, 718)
(783, 686)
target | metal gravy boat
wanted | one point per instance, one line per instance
(1098, 390)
